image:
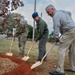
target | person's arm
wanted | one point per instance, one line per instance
(41, 32)
(56, 26)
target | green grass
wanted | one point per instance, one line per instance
(45, 67)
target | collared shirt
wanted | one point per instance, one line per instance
(62, 22)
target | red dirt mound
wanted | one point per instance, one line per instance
(22, 69)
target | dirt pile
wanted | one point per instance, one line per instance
(6, 65)
(22, 69)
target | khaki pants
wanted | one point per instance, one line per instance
(66, 42)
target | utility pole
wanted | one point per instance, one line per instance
(34, 21)
(41, 14)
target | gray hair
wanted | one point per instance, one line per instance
(50, 7)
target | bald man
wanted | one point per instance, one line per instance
(63, 23)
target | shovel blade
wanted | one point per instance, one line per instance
(36, 65)
(25, 58)
(9, 54)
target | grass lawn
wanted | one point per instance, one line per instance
(46, 66)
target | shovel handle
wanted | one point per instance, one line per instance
(48, 52)
(11, 44)
(30, 48)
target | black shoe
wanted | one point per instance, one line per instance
(53, 72)
(56, 73)
(38, 59)
(69, 70)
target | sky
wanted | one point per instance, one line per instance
(28, 9)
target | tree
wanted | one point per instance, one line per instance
(6, 7)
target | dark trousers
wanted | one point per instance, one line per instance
(42, 47)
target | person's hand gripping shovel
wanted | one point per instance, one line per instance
(25, 58)
(40, 62)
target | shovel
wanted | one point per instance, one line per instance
(40, 62)
(9, 53)
(25, 58)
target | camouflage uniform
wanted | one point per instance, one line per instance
(21, 33)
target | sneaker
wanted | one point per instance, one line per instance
(69, 70)
(56, 73)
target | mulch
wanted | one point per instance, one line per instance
(22, 69)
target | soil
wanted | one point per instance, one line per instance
(51, 65)
(22, 69)
(46, 67)
(6, 65)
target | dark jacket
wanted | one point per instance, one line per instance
(42, 29)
